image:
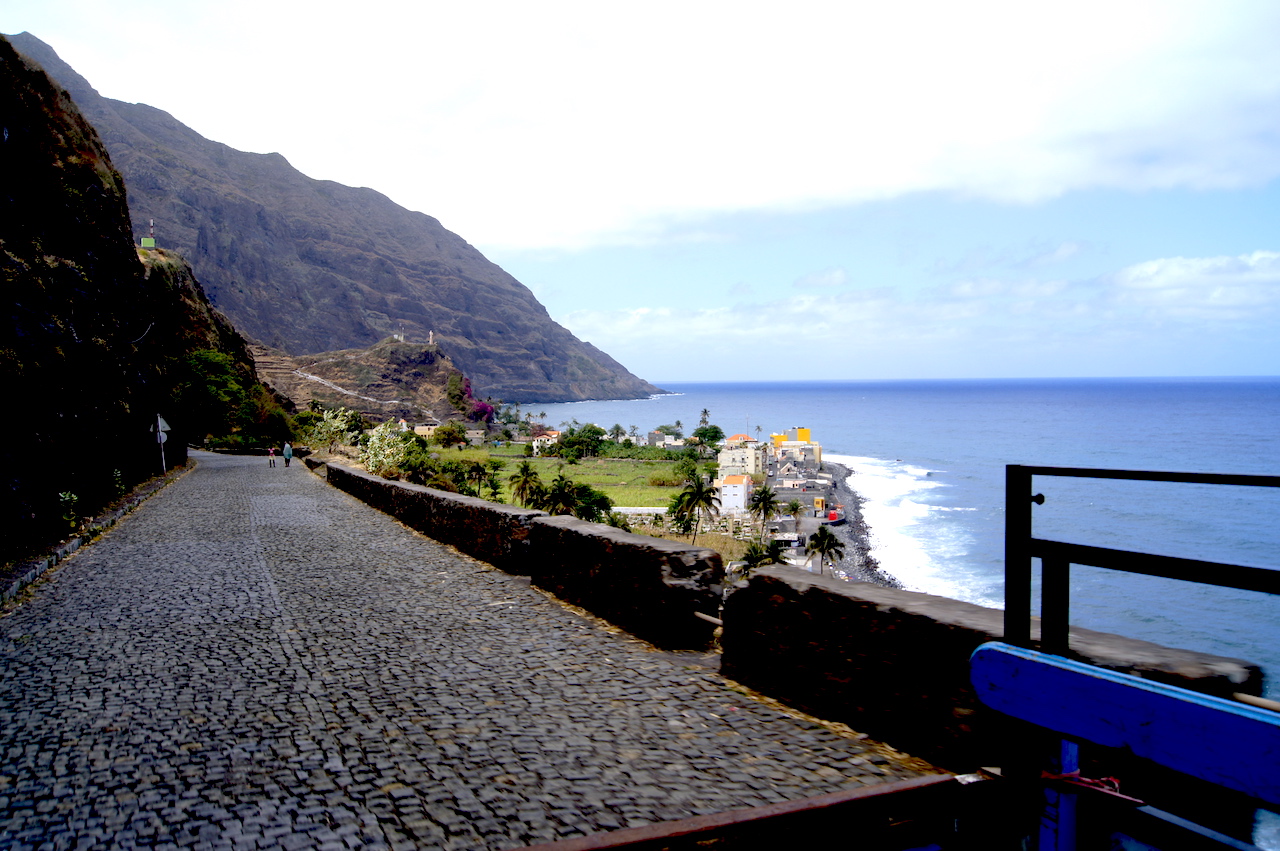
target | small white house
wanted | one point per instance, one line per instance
(735, 494)
(542, 441)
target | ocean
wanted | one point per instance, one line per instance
(929, 457)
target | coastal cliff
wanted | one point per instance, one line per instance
(306, 266)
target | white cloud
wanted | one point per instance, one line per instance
(1148, 318)
(570, 124)
(1052, 257)
(823, 280)
(1208, 288)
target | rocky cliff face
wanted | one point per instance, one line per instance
(306, 266)
(391, 379)
(91, 331)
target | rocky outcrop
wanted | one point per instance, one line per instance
(392, 379)
(308, 266)
(92, 331)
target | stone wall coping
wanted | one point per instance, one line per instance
(1104, 649)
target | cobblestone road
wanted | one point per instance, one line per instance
(256, 660)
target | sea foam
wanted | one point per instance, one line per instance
(916, 552)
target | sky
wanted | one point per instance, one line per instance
(750, 191)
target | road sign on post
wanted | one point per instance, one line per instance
(160, 428)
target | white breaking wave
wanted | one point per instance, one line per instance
(914, 553)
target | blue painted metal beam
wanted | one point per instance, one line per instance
(1232, 744)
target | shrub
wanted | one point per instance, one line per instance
(384, 451)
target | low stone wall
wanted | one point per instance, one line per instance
(650, 587)
(890, 663)
(492, 532)
(895, 664)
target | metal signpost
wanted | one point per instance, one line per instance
(161, 428)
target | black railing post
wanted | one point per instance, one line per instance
(1017, 555)
(1055, 605)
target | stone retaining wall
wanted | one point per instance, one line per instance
(650, 587)
(890, 663)
(895, 664)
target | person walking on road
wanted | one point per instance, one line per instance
(288, 453)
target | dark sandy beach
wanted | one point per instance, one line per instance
(858, 565)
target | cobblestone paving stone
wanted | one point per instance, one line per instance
(256, 660)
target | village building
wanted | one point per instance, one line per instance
(426, 427)
(797, 444)
(742, 456)
(735, 494)
(542, 441)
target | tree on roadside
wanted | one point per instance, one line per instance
(825, 544)
(764, 505)
(334, 427)
(384, 451)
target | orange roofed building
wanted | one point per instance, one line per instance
(735, 494)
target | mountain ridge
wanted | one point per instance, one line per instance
(308, 266)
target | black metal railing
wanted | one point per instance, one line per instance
(1056, 557)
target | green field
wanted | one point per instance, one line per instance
(623, 480)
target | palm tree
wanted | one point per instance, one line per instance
(525, 483)
(759, 554)
(705, 417)
(476, 474)
(795, 508)
(825, 544)
(696, 501)
(562, 496)
(617, 433)
(764, 504)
